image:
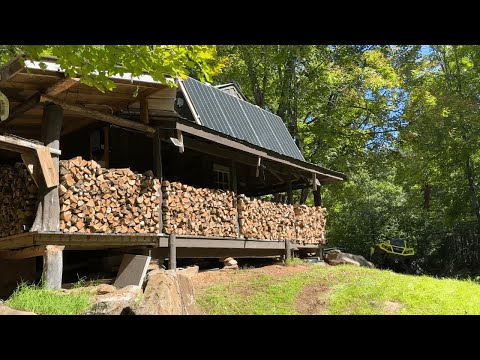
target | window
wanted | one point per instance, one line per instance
(221, 177)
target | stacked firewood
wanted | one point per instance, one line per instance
(18, 198)
(310, 224)
(266, 220)
(97, 200)
(198, 211)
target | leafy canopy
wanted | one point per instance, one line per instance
(95, 63)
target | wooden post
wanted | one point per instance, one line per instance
(53, 266)
(320, 252)
(289, 193)
(48, 209)
(157, 156)
(317, 197)
(172, 252)
(106, 146)
(288, 252)
(235, 196)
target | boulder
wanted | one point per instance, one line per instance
(189, 271)
(189, 306)
(5, 310)
(168, 293)
(103, 289)
(161, 296)
(336, 257)
(230, 267)
(119, 302)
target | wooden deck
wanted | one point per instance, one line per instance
(187, 245)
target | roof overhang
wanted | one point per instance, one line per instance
(323, 175)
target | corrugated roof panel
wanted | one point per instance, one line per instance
(232, 116)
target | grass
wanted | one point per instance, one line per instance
(294, 262)
(48, 302)
(346, 290)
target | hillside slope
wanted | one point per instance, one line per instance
(310, 289)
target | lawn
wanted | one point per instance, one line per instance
(339, 290)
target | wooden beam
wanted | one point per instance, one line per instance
(317, 197)
(172, 252)
(259, 162)
(23, 145)
(11, 68)
(53, 266)
(28, 104)
(112, 119)
(48, 208)
(50, 175)
(25, 253)
(144, 110)
(31, 162)
(61, 85)
(157, 166)
(288, 251)
(289, 193)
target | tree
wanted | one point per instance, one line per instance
(95, 63)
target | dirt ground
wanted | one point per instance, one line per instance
(208, 278)
(310, 300)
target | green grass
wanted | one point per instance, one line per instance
(48, 302)
(349, 290)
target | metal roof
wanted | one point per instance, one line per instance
(232, 116)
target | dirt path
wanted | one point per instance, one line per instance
(311, 299)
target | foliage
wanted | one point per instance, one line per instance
(95, 63)
(347, 290)
(48, 302)
(400, 121)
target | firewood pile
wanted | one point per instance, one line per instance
(198, 211)
(310, 223)
(97, 200)
(18, 199)
(266, 220)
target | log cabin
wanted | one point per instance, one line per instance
(175, 171)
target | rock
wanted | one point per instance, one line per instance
(5, 310)
(190, 271)
(161, 296)
(119, 302)
(231, 262)
(336, 257)
(189, 306)
(103, 289)
(230, 267)
(168, 293)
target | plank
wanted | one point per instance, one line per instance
(25, 253)
(112, 119)
(132, 271)
(22, 145)
(17, 241)
(49, 173)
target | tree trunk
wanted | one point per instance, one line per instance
(48, 210)
(472, 188)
